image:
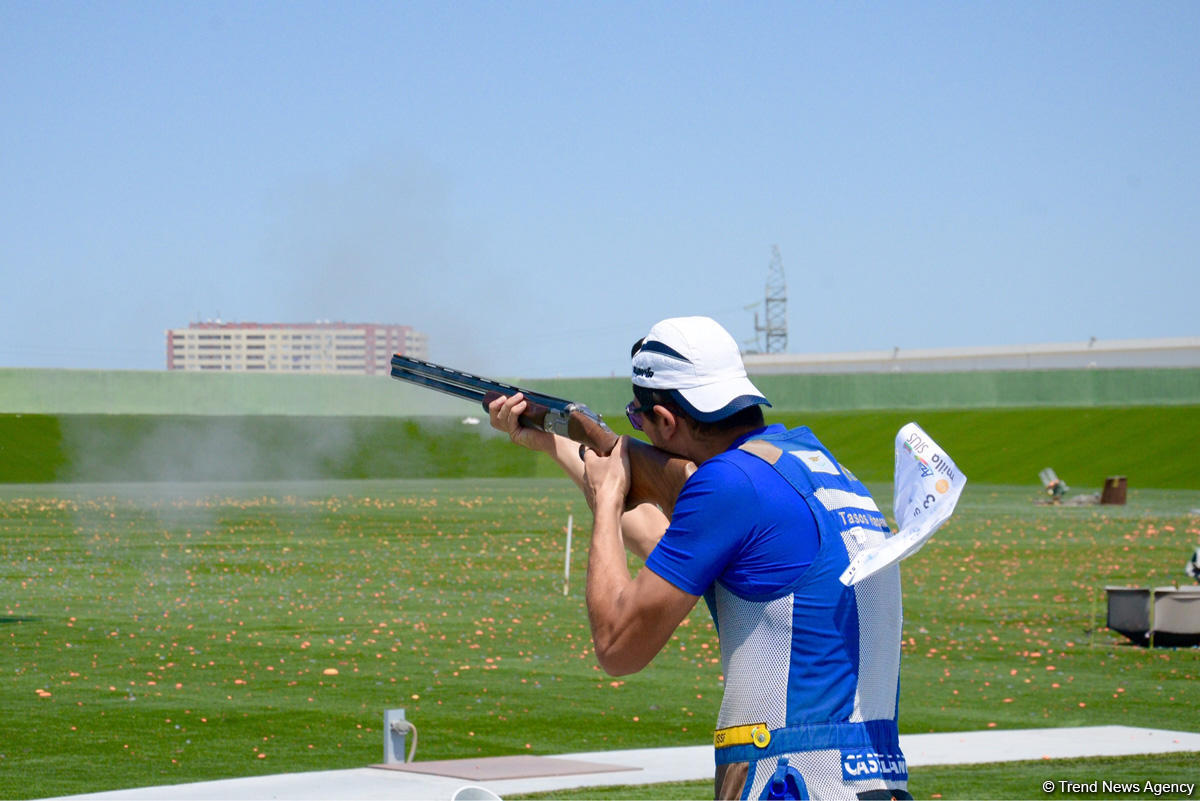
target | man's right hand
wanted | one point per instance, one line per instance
(505, 415)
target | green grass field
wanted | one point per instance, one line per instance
(185, 632)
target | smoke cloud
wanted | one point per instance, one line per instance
(380, 243)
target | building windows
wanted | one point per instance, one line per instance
(283, 347)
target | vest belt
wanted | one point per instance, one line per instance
(756, 734)
(757, 741)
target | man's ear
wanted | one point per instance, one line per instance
(667, 421)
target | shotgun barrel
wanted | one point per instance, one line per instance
(657, 476)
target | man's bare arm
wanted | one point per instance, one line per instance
(631, 618)
(642, 527)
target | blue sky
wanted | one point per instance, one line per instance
(535, 184)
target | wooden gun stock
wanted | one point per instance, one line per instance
(656, 476)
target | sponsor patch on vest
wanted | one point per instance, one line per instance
(859, 766)
(816, 462)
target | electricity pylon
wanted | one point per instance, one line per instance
(774, 331)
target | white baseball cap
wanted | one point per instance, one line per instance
(699, 364)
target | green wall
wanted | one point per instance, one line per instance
(35, 391)
(982, 389)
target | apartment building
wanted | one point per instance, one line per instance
(320, 347)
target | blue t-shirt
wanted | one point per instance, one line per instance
(737, 521)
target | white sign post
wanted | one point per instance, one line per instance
(567, 566)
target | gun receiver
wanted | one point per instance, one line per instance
(657, 476)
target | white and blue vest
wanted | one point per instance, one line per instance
(819, 665)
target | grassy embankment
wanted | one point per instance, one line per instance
(1152, 446)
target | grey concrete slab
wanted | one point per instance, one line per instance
(656, 765)
(1014, 745)
(335, 785)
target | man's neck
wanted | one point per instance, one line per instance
(709, 447)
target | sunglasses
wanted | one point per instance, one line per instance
(634, 413)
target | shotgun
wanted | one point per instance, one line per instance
(656, 475)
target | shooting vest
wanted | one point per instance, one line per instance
(812, 678)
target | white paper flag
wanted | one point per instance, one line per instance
(928, 485)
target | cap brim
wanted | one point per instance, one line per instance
(719, 400)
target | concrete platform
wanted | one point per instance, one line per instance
(655, 765)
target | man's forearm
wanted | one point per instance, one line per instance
(566, 455)
(631, 617)
(607, 577)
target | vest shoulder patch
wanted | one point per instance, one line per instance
(764, 450)
(816, 462)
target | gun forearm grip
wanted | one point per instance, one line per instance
(534, 415)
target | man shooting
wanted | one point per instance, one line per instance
(762, 530)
